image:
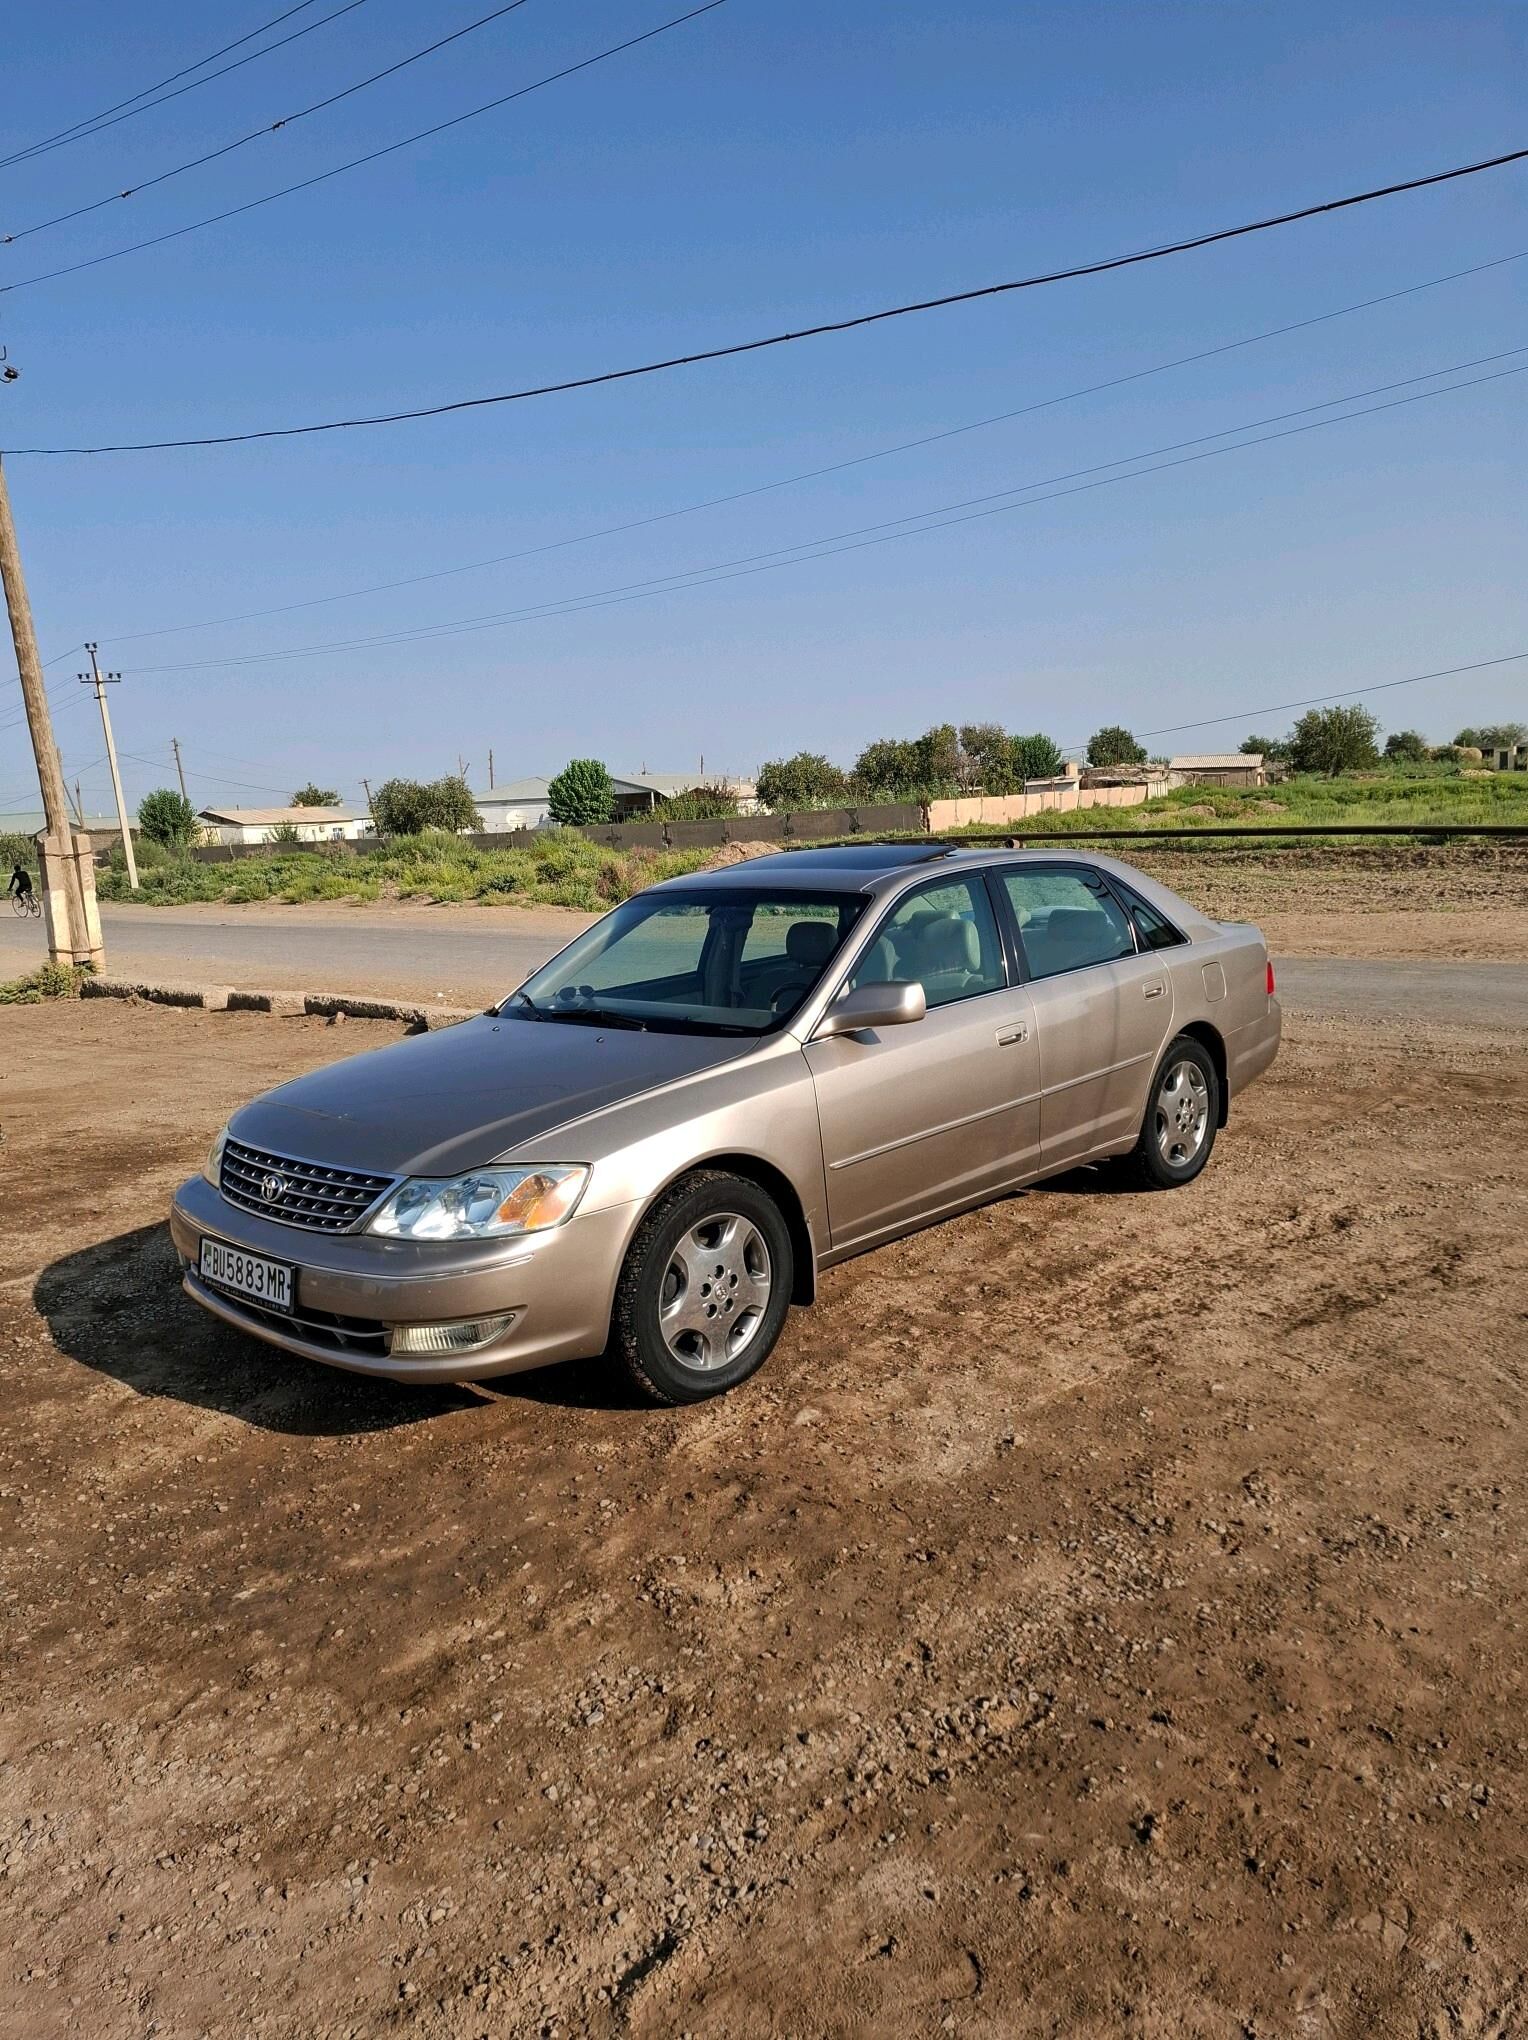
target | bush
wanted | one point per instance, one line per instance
(581, 796)
(1334, 740)
(1115, 745)
(166, 816)
(407, 807)
(48, 981)
(15, 849)
(287, 832)
(713, 800)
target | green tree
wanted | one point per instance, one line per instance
(1491, 736)
(1114, 745)
(167, 817)
(986, 758)
(1274, 748)
(288, 832)
(312, 795)
(407, 807)
(1409, 747)
(1035, 757)
(581, 796)
(887, 766)
(1334, 740)
(807, 780)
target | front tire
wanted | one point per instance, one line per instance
(705, 1289)
(1182, 1113)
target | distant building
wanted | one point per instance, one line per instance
(1219, 768)
(1509, 758)
(234, 825)
(522, 803)
(102, 829)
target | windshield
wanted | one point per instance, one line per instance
(734, 962)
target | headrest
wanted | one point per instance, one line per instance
(810, 942)
(1072, 924)
(948, 943)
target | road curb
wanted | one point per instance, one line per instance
(281, 1005)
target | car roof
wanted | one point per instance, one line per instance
(876, 867)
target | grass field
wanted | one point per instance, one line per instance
(567, 871)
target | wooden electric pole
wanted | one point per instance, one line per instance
(180, 770)
(99, 679)
(70, 937)
(490, 768)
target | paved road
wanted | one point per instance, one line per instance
(469, 955)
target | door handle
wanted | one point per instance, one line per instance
(1155, 989)
(1007, 1036)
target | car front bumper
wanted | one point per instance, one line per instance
(559, 1284)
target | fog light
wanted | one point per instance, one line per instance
(463, 1337)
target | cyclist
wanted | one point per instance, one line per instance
(21, 881)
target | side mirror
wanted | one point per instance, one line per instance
(877, 1005)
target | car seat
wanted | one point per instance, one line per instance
(783, 985)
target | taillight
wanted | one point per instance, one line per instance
(1270, 977)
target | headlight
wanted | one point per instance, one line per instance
(482, 1206)
(212, 1168)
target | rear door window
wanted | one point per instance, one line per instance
(1068, 920)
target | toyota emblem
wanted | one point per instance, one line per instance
(272, 1188)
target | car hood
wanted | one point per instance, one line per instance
(439, 1103)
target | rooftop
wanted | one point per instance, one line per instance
(1215, 761)
(273, 817)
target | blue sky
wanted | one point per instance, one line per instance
(762, 167)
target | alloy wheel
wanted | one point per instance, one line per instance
(715, 1291)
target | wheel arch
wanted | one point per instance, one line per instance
(1210, 1038)
(776, 1184)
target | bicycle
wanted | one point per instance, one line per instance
(26, 906)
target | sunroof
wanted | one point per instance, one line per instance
(855, 856)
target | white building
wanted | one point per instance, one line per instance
(519, 805)
(522, 803)
(234, 825)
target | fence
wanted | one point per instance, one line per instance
(884, 819)
(1057, 796)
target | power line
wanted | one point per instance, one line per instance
(815, 474)
(270, 128)
(863, 536)
(845, 325)
(1317, 700)
(356, 162)
(206, 778)
(96, 123)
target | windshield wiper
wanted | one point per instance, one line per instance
(591, 1016)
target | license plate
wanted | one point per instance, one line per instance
(251, 1275)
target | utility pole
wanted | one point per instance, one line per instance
(100, 679)
(366, 783)
(490, 768)
(73, 932)
(79, 805)
(180, 770)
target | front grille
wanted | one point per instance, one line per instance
(317, 1327)
(300, 1193)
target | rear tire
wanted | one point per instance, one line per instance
(1182, 1113)
(705, 1289)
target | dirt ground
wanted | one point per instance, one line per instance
(1103, 1616)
